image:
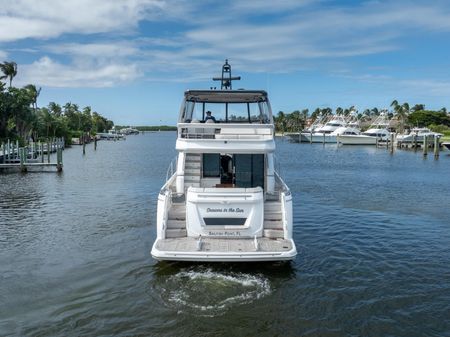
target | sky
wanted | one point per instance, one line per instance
(131, 60)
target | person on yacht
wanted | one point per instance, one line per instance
(209, 117)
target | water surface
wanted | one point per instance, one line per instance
(372, 230)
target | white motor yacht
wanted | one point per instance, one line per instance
(418, 134)
(323, 133)
(224, 200)
(376, 132)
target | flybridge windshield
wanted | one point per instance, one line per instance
(240, 108)
(195, 112)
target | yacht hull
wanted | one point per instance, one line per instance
(357, 140)
(308, 138)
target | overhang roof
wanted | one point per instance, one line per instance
(226, 96)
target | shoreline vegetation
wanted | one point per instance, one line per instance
(21, 119)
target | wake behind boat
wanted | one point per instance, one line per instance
(225, 201)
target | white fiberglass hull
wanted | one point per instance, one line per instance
(224, 225)
(357, 140)
(411, 138)
(317, 138)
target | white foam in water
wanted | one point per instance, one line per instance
(209, 293)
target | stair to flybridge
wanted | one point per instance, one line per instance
(192, 170)
(273, 220)
(176, 222)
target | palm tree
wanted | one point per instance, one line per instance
(9, 69)
(280, 121)
(55, 109)
(34, 94)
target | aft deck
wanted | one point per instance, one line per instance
(229, 249)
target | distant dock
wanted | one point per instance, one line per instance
(35, 156)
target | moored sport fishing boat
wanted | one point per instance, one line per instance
(376, 132)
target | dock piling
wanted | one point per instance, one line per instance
(425, 146)
(48, 151)
(84, 145)
(59, 161)
(392, 143)
(436, 147)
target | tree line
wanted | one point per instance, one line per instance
(405, 115)
(22, 119)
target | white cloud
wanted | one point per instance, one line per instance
(303, 34)
(439, 88)
(47, 72)
(96, 50)
(22, 19)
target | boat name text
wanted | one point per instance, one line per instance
(225, 210)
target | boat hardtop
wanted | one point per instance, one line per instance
(223, 200)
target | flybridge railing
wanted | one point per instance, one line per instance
(225, 131)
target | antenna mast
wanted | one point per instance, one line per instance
(226, 79)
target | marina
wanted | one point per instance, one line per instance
(148, 190)
(367, 260)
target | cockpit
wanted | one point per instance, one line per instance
(230, 106)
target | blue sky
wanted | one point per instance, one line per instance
(131, 60)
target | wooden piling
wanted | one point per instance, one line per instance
(48, 151)
(425, 146)
(95, 143)
(21, 151)
(392, 143)
(84, 145)
(324, 139)
(310, 137)
(4, 153)
(436, 147)
(59, 161)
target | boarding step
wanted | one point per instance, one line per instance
(177, 213)
(191, 158)
(272, 206)
(273, 215)
(191, 171)
(273, 233)
(192, 165)
(272, 197)
(272, 224)
(176, 233)
(191, 179)
(176, 224)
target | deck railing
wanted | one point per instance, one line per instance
(225, 131)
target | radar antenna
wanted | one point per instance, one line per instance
(226, 78)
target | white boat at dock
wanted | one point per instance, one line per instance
(225, 201)
(328, 132)
(417, 135)
(376, 132)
